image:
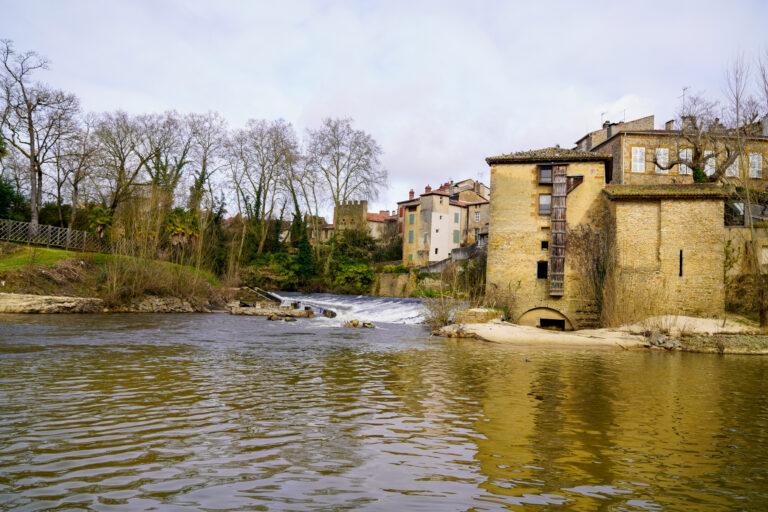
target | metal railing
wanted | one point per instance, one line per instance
(50, 236)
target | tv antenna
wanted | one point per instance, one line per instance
(602, 117)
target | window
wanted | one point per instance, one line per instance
(426, 216)
(410, 257)
(541, 269)
(734, 214)
(441, 200)
(545, 244)
(685, 156)
(410, 219)
(638, 159)
(709, 163)
(733, 170)
(437, 230)
(755, 165)
(401, 211)
(435, 250)
(545, 204)
(545, 175)
(662, 160)
(681, 263)
(455, 236)
(477, 216)
(764, 255)
(410, 237)
(455, 218)
(425, 238)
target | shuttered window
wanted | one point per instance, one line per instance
(425, 238)
(410, 237)
(455, 218)
(755, 165)
(709, 163)
(426, 216)
(733, 170)
(685, 156)
(638, 159)
(455, 236)
(410, 219)
(662, 160)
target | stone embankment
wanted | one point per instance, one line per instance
(52, 304)
(23, 303)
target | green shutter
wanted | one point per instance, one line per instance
(425, 238)
(456, 235)
(410, 219)
(426, 216)
(410, 237)
(456, 218)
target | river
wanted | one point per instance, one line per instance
(218, 412)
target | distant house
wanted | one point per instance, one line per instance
(355, 215)
(442, 219)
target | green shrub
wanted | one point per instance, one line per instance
(355, 278)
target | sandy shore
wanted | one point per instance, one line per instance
(682, 332)
(503, 332)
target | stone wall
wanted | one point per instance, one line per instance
(350, 215)
(649, 237)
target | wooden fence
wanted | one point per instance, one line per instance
(50, 236)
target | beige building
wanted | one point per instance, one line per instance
(440, 220)
(642, 154)
(538, 197)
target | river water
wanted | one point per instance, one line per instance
(220, 412)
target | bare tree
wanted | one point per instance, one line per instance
(35, 117)
(122, 156)
(347, 160)
(208, 133)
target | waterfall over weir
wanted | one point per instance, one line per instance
(364, 308)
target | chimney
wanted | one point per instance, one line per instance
(410, 194)
(669, 125)
(609, 133)
(606, 124)
(427, 189)
(689, 122)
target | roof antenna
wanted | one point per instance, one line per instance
(625, 116)
(602, 117)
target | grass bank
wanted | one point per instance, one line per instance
(118, 280)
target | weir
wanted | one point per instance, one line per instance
(364, 308)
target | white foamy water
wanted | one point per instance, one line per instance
(363, 308)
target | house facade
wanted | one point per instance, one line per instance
(539, 198)
(644, 155)
(440, 220)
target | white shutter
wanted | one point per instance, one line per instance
(733, 170)
(685, 156)
(709, 163)
(755, 165)
(638, 159)
(662, 160)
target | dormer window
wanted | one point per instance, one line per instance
(545, 175)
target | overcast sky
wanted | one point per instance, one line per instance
(440, 85)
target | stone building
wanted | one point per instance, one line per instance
(442, 219)
(637, 149)
(537, 197)
(355, 215)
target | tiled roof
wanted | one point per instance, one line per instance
(549, 155)
(378, 217)
(682, 191)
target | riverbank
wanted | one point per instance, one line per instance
(38, 279)
(682, 333)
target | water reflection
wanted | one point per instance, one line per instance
(116, 412)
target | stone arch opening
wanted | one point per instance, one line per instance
(546, 318)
